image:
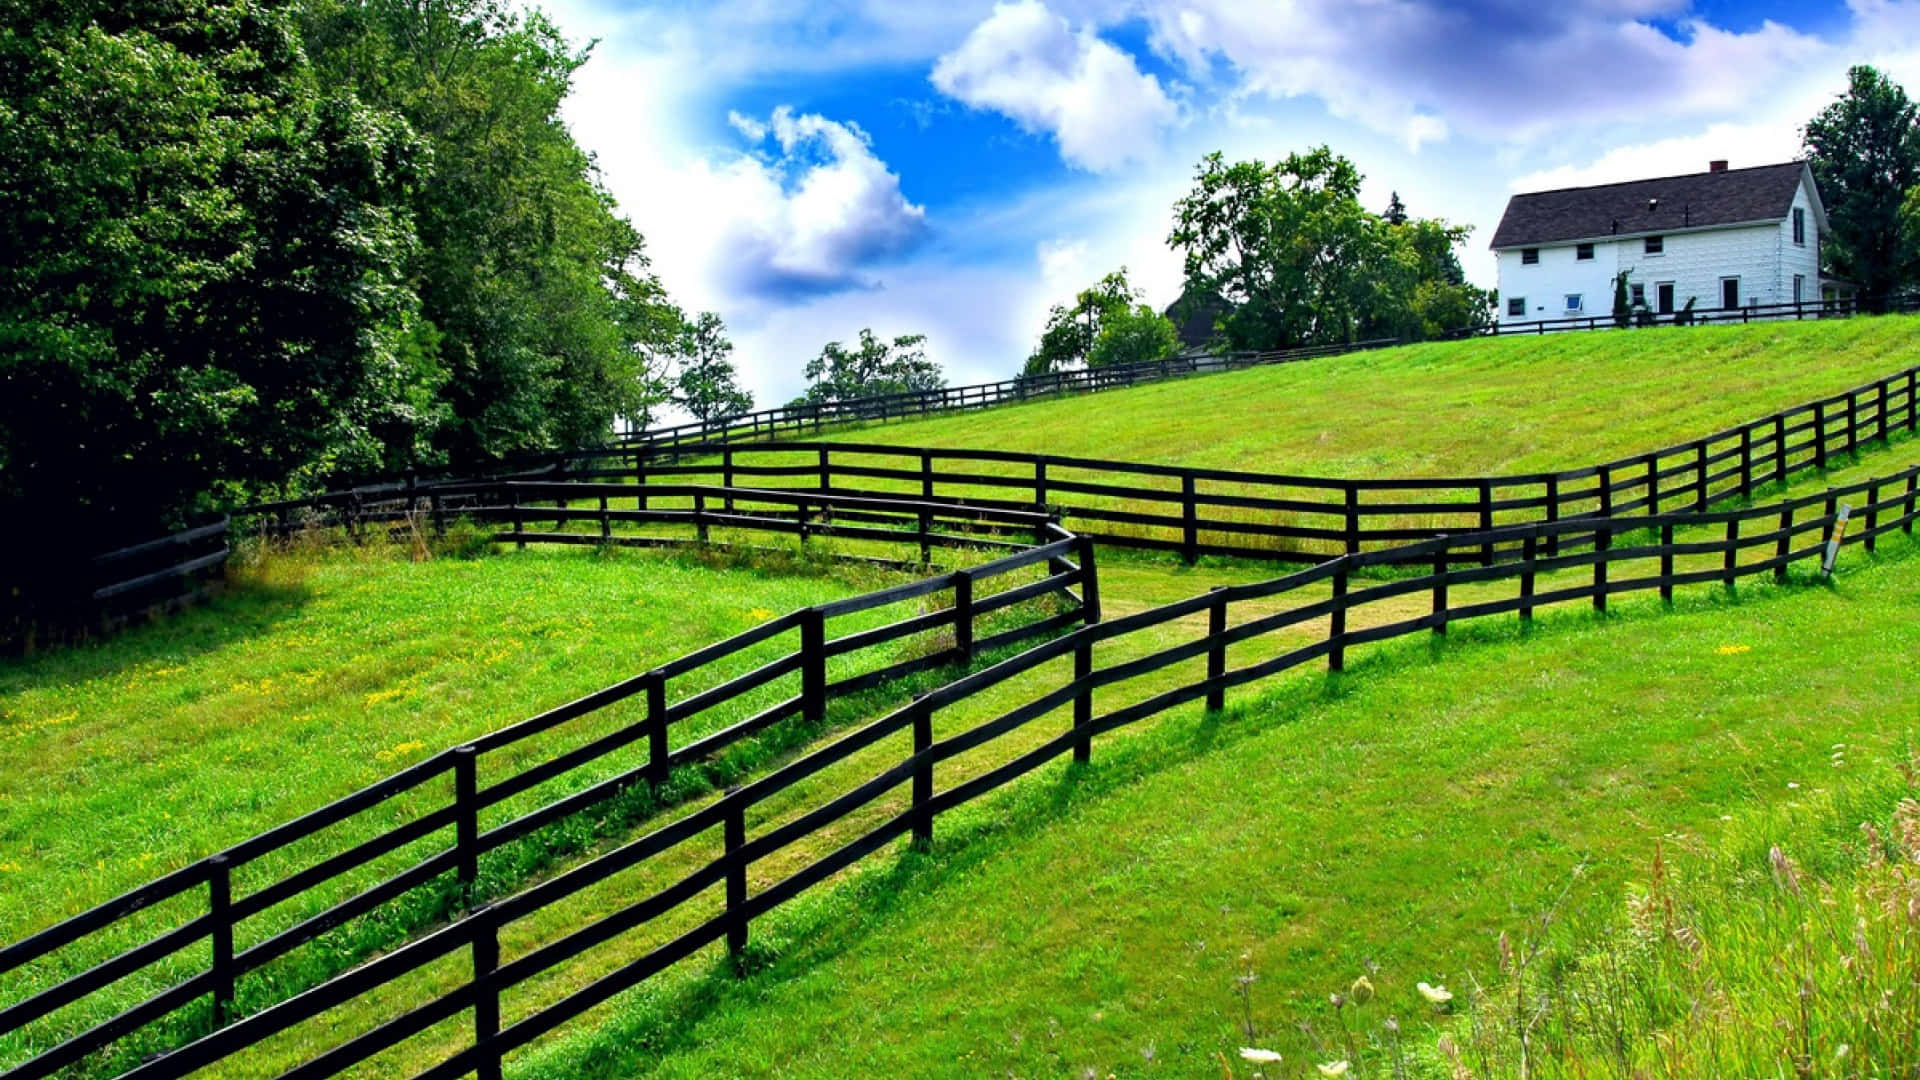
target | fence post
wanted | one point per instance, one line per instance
(736, 838)
(1873, 514)
(1337, 623)
(1440, 591)
(220, 914)
(1779, 447)
(1819, 435)
(700, 516)
(926, 474)
(1653, 484)
(813, 666)
(1853, 420)
(1881, 386)
(1090, 582)
(922, 772)
(1784, 544)
(1352, 496)
(1216, 648)
(726, 474)
(640, 477)
(658, 760)
(486, 994)
(826, 471)
(466, 820)
(1913, 482)
(513, 506)
(1913, 399)
(1083, 699)
(1700, 466)
(1190, 527)
(1666, 563)
(1486, 522)
(963, 614)
(926, 535)
(1606, 490)
(1746, 463)
(1732, 557)
(1553, 512)
(606, 523)
(1602, 543)
(1528, 552)
(1040, 483)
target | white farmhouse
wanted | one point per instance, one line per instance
(1724, 238)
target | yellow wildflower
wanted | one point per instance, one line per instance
(1733, 650)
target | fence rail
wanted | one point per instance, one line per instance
(1066, 563)
(1197, 512)
(1719, 547)
(1643, 319)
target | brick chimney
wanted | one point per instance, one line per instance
(1717, 166)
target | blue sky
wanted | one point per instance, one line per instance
(807, 168)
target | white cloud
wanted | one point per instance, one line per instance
(812, 218)
(1494, 69)
(1028, 64)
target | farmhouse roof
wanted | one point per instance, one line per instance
(1667, 204)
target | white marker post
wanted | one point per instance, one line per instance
(1833, 541)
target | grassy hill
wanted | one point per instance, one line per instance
(1394, 821)
(1497, 405)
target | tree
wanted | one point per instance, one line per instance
(1296, 260)
(550, 322)
(707, 384)
(1396, 211)
(1622, 309)
(1104, 326)
(204, 291)
(875, 368)
(1865, 154)
(1288, 246)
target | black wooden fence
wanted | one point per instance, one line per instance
(793, 419)
(106, 590)
(1227, 512)
(1611, 556)
(638, 752)
(1788, 312)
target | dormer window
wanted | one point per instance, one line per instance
(1656, 245)
(1583, 252)
(1529, 256)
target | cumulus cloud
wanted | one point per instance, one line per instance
(813, 216)
(1506, 70)
(1028, 64)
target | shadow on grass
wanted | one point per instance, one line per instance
(244, 608)
(665, 1017)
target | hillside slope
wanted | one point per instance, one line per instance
(1498, 405)
(1401, 817)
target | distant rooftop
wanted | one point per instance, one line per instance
(1697, 200)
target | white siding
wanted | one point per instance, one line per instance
(1764, 258)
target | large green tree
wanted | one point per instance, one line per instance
(551, 324)
(1864, 149)
(870, 369)
(1106, 325)
(203, 288)
(1296, 260)
(706, 384)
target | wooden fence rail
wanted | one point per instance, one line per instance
(638, 752)
(1226, 512)
(1719, 547)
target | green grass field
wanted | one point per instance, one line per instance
(1493, 406)
(1084, 917)
(1393, 821)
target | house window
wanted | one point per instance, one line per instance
(1529, 256)
(1639, 295)
(1656, 244)
(1517, 306)
(1799, 286)
(1729, 292)
(1583, 251)
(1573, 301)
(1800, 226)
